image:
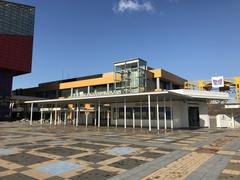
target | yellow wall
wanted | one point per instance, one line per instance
(107, 78)
(161, 73)
(157, 73)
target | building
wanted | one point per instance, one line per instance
(133, 95)
(16, 43)
(129, 76)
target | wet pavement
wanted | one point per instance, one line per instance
(67, 152)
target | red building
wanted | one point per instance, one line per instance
(16, 43)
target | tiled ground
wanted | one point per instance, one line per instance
(50, 152)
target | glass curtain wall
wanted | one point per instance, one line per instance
(130, 76)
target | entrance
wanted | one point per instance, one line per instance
(193, 117)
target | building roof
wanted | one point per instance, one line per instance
(116, 98)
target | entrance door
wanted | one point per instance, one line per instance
(193, 117)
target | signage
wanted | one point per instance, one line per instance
(217, 82)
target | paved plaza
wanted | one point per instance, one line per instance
(58, 152)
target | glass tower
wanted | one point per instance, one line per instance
(130, 76)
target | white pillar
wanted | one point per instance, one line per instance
(77, 115)
(86, 113)
(125, 113)
(233, 120)
(71, 92)
(59, 117)
(65, 118)
(88, 90)
(99, 113)
(149, 113)
(107, 87)
(51, 117)
(41, 119)
(157, 114)
(165, 114)
(31, 114)
(95, 114)
(141, 120)
(158, 83)
(55, 117)
(73, 117)
(133, 118)
(108, 117)
(171, 106)
(116, 114)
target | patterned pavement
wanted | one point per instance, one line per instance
(58, 152)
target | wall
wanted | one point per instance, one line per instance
(16, 53)
(203, 115)
(180, 115)
(179, 119)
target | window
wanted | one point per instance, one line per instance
(168, 113)
(137, 113)
(121, 113)
(65, 93)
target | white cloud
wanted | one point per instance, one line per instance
(133, 5)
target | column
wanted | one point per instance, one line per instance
(125, 113)
(149, 113)
(165, 114)
(31, 114)
(86, 114)
(157, 114)
(116, 114)
(59, 117)
(55, 117)
(99, 113)
(95, 116)
(88, 91)
(77, 115)
(71, 92)
(73, 117)
(108, 117)
(107, 87)
(158, 83)
(41, 119)
(141, 120)
(65, 118)
(171, 105)
(133, 117)
(51, 116)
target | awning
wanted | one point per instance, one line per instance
(180, 94)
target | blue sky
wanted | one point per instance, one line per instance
(195, 39)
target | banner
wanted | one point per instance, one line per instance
(217, 82)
